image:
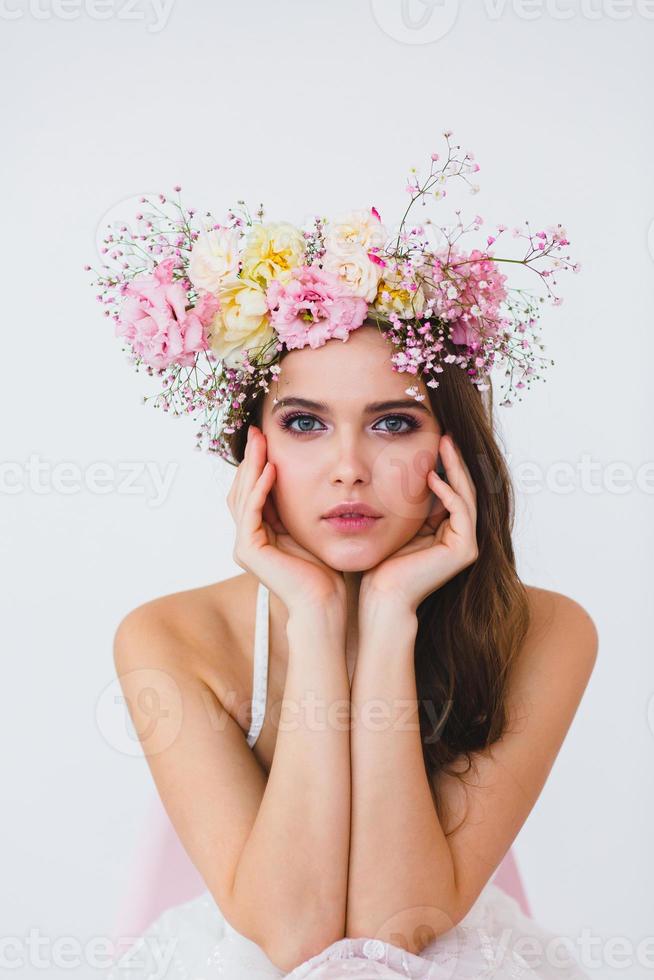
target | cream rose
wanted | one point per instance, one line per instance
(214, 257)
(393, 298)
(242, 321)
(272, 251)
(358, 274)
(356, 229)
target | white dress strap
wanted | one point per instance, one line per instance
(260, 669)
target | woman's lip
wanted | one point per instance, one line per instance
(360, 523)
(352, 511)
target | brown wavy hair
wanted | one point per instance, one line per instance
(469, 630)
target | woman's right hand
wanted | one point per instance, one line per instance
(264, 547)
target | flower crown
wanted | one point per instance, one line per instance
(209, 306)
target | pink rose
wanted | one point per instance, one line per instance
(312, 308)
(154, 319)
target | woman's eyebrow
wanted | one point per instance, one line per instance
(369, 409)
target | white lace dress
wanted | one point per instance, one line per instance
(194, 941)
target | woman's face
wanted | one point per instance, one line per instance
(350, 449)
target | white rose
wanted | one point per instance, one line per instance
(241, 323)
(356, 229)
(273, 250)
(214, 257)
(358, 274)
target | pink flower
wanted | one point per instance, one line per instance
(469, 292)
(376, 258)
(312, 308)
(154, 319)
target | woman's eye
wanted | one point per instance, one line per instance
(289, 419)
(408, 419)
(395, 420)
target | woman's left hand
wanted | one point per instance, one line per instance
(445, 544)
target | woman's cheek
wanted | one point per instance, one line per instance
(400, 479)
(290, 493)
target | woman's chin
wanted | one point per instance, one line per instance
(351, 556)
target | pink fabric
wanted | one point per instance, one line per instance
(163, 875)
(507, 877)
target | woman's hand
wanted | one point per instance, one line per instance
(263, 545)
(445, 544)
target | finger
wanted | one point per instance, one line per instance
(417, 543)
(253, 507)
(429, 528)
(461, 469)
(234, 495)
(271, 516)
(457, 471)
(253, 463)
(234, 490)
(459, 510)
(435, 517)
(435, 520)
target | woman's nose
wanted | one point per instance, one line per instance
(350, 462)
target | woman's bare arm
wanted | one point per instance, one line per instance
(407, 879)
(292, 872)
(273, 853)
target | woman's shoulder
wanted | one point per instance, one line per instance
(554, 617)
(202, 630)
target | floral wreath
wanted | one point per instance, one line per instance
(208, 306)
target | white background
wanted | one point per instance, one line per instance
(313, 107)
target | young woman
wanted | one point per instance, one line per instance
(409, 694)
